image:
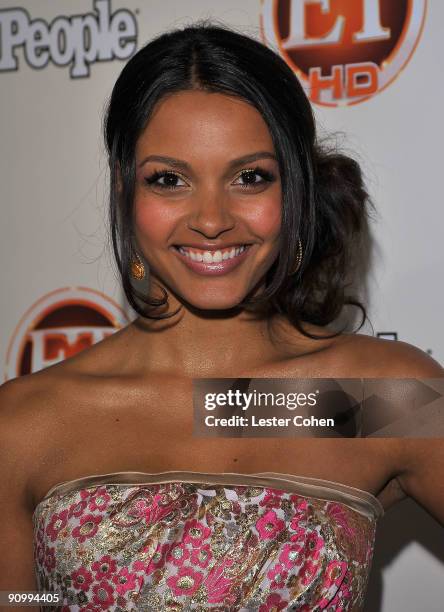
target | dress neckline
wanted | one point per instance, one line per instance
(358, 499)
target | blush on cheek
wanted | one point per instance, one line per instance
(265, 220)
(154, 221)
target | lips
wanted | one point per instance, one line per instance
(212, 256)
(212, 262)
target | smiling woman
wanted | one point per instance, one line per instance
(212, 214)
(215, 137)
(243, 231)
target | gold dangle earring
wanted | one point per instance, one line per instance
(137, 267)
(298, 262)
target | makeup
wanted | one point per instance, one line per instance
(214, 262)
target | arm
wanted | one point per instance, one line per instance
(421, 460)
(421, 474)
(16, 529)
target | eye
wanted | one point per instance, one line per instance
(165, 179)
(253, 177)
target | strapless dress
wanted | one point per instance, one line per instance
(180, 541)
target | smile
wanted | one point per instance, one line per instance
(212, 257)
(214, 262)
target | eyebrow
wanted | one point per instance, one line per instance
(234, 163)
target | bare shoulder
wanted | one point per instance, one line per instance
(34, 398)
(26, 404)
(103, 359)
(36, 409)
(20, 435)
(17, 398)
(375, 357)
(39, 406)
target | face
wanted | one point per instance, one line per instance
(207, 208)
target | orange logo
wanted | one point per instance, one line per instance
(59, 325)
(343, 51)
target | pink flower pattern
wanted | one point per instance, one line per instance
(178, 554)
(49, 560)
(201, 556)
(100, 500)
(113, 546)
(103, 595)
(104, 567)
(185, 582)
(272, 498)
(290, 554)
(58, 521)
(77, 508)
(269, 525)
(273, 603)
(278, 576)
(87, 528)
(82, 579)
(124, 581)
(196, 533)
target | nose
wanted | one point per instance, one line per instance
(210, 215)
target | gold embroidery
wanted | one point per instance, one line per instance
(184, 546)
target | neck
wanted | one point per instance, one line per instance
(212, 343)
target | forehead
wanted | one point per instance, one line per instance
(202, 124)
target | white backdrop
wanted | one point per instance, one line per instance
(53, 180)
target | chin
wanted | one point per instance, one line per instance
(215, 301)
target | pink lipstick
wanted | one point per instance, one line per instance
(212, 261)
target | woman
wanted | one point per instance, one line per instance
(233, 231)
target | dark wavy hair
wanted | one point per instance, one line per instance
(324, 201)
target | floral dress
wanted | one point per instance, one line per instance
(182, 541)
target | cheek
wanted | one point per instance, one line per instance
(265, 220)
(153, 220)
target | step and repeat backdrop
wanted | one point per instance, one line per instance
(372, 71)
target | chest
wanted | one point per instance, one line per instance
(151, 431)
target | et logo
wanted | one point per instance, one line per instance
(59, 325)
(343, 51)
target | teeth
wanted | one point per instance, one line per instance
(212, 256)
